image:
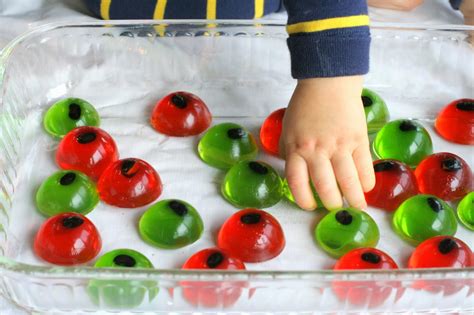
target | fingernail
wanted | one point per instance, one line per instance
(312, 207)
(333, 208)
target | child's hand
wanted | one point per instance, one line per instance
(324, 139)
(402, 5)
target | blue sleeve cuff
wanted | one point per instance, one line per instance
(317, 55)
(455, 4)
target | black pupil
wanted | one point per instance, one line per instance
(371, 258)
(407, 125)
(465, 106)
(179, 101)
(178, 207)
(72, 222)
(86, 137)
(446, 246)
(236, 133)
(74, 111)
(214, 260)
(367, 101)
(384, 166)
(126, 167)
(250, 218)
(451, 165)
(67, 179)
(435, 204)
(344, 217)
(124, 261)
(258, 168)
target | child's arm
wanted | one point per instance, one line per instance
(465, 6)
(181, 9)
(324, 134)
(403, 5)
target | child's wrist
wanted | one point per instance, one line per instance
(350, 86)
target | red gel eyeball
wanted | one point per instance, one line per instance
(365, 258)
(371, 293)
(251, 235)
(212, 294)
(444, 175)
(456, 121)
(67, 239)
(394, 183)
(442, 252)
(270, 132)
(181, 114)
(129, 183)
(87, 149)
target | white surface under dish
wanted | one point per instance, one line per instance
(242, 73)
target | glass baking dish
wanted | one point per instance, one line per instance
(242, 70)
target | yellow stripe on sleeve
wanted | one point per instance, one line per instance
(105, 9)
(259, 6)
(328, 24)
(211, 9)
(159, 14)
(160, 8)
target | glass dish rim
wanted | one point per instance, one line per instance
(214, 23)
(9, 266)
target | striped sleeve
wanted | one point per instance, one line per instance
(328, 38)
(182, 9)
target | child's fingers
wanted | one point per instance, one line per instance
(365, 168)
(324, 181)
(282, 149)
(298, 181)
(348, 179)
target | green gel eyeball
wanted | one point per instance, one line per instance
(171, 224)
(376, 111)
(346, 229)
(67, 191)
(252, 184)
(67, 114)
(403, 140)
(424, 216)
(225, 144)
(466, 211)
(289, 195)
(122, 293)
